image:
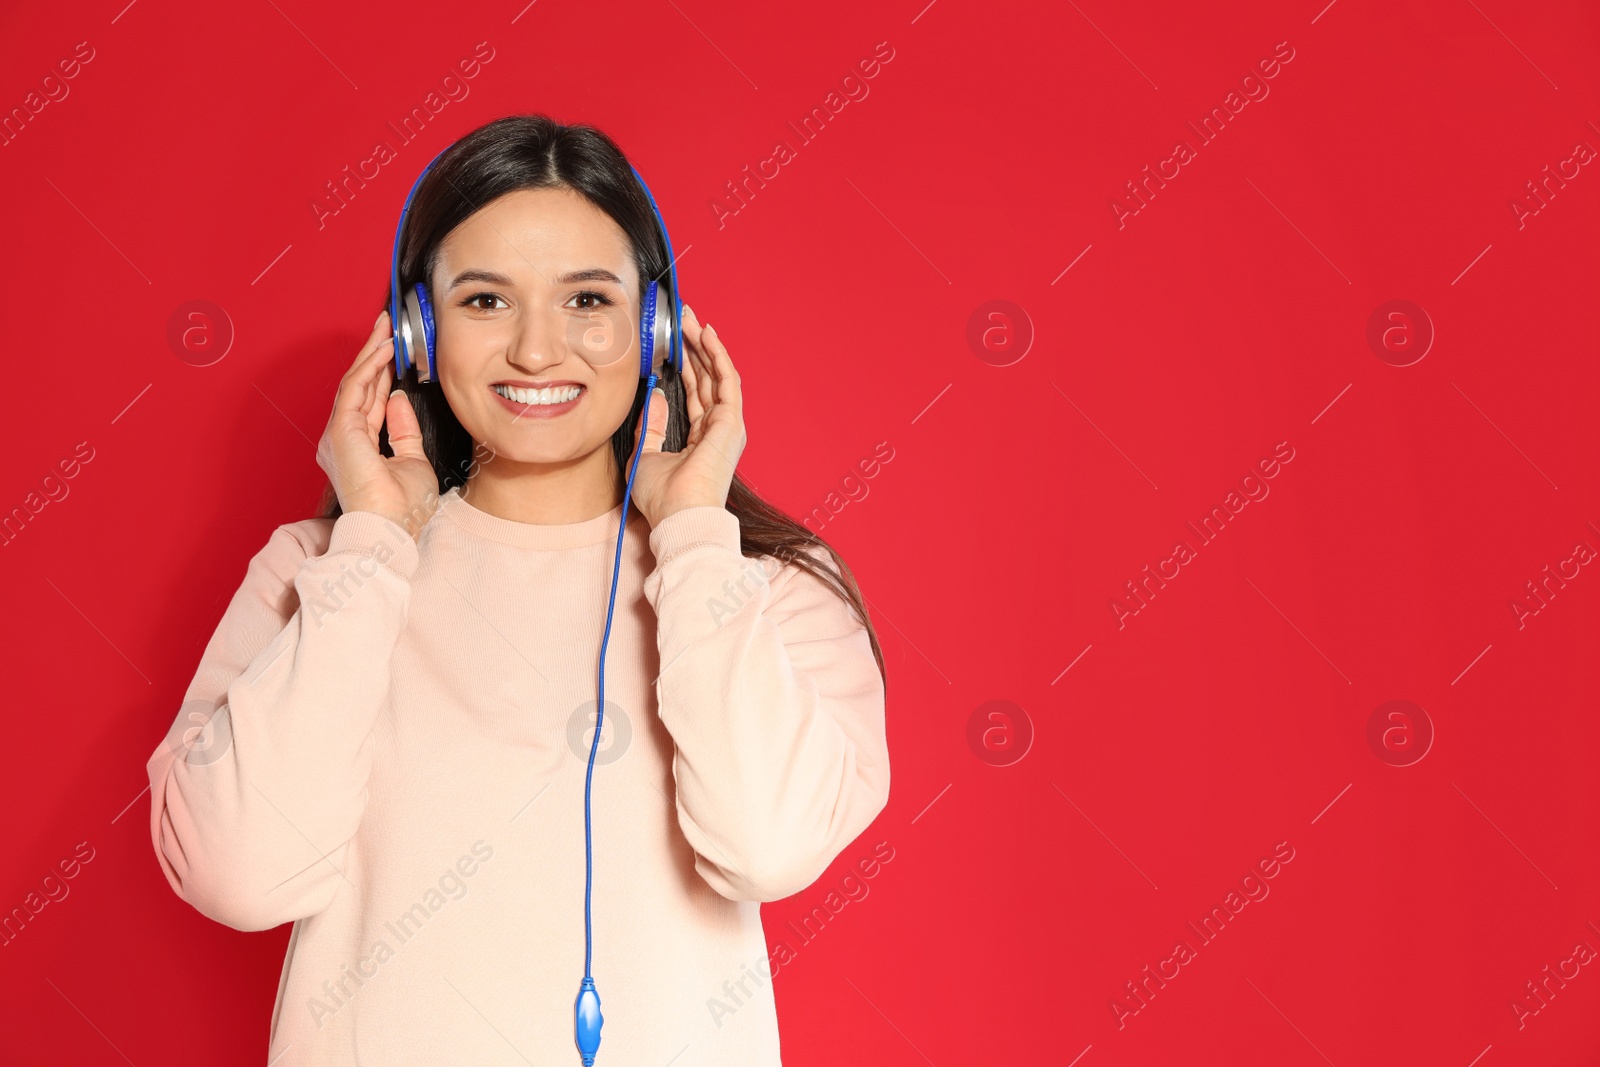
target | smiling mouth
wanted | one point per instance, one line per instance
(549, 396)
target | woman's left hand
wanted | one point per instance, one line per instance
(700, 475)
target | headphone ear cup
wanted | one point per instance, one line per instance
(647, 329)
(408, 332)
(417, 331)
(675, 341)
(658, 321)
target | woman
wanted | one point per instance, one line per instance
(389, 734)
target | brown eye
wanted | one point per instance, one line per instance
(599, 300)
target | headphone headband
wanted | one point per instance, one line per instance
(675, 345)
(402, 349)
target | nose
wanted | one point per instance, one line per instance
(539, 341)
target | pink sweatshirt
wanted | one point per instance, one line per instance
(396, 764)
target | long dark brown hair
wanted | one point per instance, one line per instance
(536, 152)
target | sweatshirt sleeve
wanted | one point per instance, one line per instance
(261, 781)
(775, 705)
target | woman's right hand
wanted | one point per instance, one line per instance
(402, 488)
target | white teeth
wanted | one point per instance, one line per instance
(553, 395)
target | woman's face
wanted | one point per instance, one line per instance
(522, 289)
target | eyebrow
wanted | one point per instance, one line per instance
(591, 274)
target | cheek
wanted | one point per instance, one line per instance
(462, 386)
(612, 395)
(453, 356)
(603, 336)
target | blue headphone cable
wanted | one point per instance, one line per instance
(586, 1010)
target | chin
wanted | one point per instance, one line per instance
(554, 449)
(546, 445)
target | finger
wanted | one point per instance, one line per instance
(728, 385)
(691, 391)
(702, 405)
(378, 401)
(363, 373)
(379, 342)
(368, 394)
(728, 424)
(380, 331)
(691, 326)
(708, 380)
(722, 433)
(655, 432)
(355, 387)
(405, 436)
(692, 333)
(703, 375)
(367, 373)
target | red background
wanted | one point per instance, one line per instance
(1226, 316)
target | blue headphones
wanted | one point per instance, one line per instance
(411, 318)
(660, 327)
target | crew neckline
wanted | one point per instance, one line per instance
(593, 531)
